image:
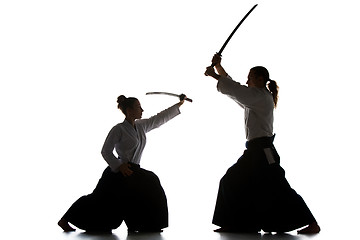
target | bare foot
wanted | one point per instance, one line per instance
(65, 225)
(311, 229)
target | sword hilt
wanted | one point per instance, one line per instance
(183, 97)
(213, 64)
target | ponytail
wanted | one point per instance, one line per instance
(274, 89)
(272, 85)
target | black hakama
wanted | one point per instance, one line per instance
(254, 194)
(139, 200)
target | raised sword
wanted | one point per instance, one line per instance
(232, 33)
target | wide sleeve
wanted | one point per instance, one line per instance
(160, 118)
(107, 150)
(242, 94)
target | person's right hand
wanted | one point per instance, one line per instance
(125, 169)
(182, 99)
(216, 59)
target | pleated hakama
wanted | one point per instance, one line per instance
(254, 194)
(139, 200)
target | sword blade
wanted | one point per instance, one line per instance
(232, 33)
(170, 94)
(163, 93)
(236, 28)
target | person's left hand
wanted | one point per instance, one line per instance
(210, 71)
(125, 169)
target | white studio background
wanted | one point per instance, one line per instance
(63, 64)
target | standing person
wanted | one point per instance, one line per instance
(125, 192)
(254, 194)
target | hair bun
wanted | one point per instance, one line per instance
(121, 99)
(125, 103)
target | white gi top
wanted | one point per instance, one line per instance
(129, 142)
(257, 103)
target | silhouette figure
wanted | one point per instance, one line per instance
(125, 191)
(254, 194)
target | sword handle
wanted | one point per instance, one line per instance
(213, 64)
(182, 97)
